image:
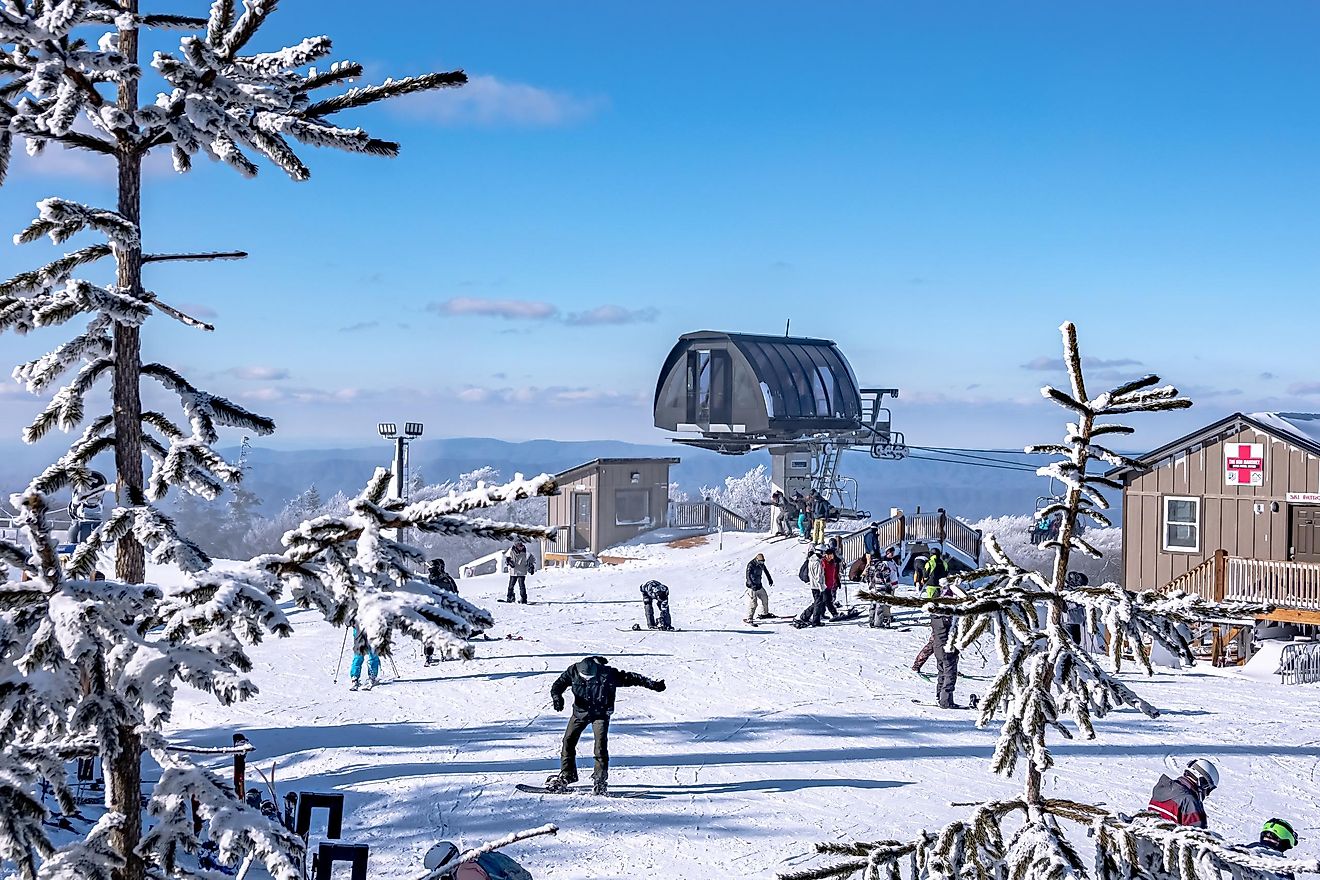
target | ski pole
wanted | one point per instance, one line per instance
(340, 662)
(390, 657)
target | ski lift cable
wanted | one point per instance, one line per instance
(997, 467)
(969, 453)
(1017, 465)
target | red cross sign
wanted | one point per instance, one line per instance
(1244, 464)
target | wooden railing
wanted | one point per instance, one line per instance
(1202, 580)
(704, 515)
(1289, 586)
(1292, 585)
(936, 527)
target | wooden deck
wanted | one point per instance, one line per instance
(1293, 588)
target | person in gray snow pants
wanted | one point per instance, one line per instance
(946, 660)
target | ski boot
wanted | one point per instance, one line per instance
(371, 683)
(600, 787)
(357, 684)
(556, 784)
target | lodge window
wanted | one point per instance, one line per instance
(1182, 524)
(632, 507)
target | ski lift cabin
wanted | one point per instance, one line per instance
(738, 392)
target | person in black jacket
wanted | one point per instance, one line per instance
(593, 682)
(756, 593)
(657, 593)
(436, 576)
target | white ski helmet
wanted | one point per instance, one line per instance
(1205, 773)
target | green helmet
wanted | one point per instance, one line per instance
(1279, 834)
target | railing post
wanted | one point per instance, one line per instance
(1221, 574)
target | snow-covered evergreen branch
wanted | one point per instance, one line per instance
(1048, 680)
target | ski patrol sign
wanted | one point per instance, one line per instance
(1244, 464)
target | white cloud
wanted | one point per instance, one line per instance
(259, 374)
(489, 100)
(612, 315)
(508, 309)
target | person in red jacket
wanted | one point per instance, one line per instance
(1182, 800)
(829, 563)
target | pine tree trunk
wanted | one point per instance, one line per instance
(123, 794)
(130, 564)
(124, 779)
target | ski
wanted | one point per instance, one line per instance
(577, 790)
(638, 628)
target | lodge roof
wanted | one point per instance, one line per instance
(1300, 429)
(598, 462)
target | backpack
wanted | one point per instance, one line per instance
(856, 570)
(804, 572)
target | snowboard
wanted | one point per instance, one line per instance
(637, 627)
(577, 790)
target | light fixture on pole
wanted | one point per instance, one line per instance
(390, 431)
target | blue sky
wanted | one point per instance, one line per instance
(935, 186)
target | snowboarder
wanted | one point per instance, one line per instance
(520, 563)
(658, 593)
(436, 576)
(593, 682)
(362, 650)
(756, 570)
(1182, 800)
(946, 659)
(882, 576)
(1276, 836)
(487, 866)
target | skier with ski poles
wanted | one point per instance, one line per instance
(593, 682)
(362, 650)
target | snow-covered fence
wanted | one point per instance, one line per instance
(1300, 663)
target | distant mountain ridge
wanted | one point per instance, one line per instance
(277, 475)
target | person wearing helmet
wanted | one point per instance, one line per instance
(1182, 800)
(593, 682)
(520, 563)
(1277, 836)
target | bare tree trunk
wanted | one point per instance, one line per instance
(123, 794)
(124, 779)
(130, 564)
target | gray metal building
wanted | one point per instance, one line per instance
(607, 501)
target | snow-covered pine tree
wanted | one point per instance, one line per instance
(90, 668)
(1048, 679)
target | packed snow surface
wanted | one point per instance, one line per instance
(767, 740)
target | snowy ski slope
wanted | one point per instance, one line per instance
(767, 740)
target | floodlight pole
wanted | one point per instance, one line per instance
(391, 431)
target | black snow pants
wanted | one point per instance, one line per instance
(660, 598)
(946, 661)
(520, 581)
(568, 755)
